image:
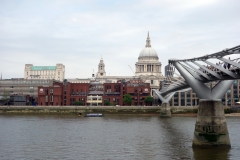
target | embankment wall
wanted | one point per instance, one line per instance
(91, 109)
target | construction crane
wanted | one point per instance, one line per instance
(131, 69)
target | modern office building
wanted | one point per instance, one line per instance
(21, 86)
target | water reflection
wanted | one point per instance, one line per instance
(177, 135)
(211, 154)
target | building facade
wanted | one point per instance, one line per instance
(44, 72)
(148, 61)
(20, 86)
(148, 69)
(93, 93)
(101, 69)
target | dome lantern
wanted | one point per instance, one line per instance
(148, 51)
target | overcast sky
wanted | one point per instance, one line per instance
(77, 33)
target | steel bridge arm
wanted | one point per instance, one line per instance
(230, 62)
(198, 87)
(209, 71)
(226, 71)
(199, 72)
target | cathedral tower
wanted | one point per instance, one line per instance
(101, 69)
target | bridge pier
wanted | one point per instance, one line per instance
(165, 111)
(211, 128)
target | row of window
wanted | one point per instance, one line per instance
(43, 72)
(24, 82)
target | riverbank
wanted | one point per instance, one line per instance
(189, 111)
(92, 109)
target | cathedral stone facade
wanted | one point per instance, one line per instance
(148, 69)
(148, 61)
(101, 69)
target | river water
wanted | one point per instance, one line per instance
(110, 137)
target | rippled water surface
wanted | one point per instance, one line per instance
(109, 137)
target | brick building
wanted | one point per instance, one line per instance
(93, 93)
(50, 95)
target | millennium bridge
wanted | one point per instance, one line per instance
(196, 73)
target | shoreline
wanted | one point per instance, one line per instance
(188, 111)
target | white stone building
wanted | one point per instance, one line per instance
(148, 61)
(44, 72)
(148, 67)
(101, 69)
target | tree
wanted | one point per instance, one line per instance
(78, 103)
(127, 99)
(5, 98)
(106, 102)
(148, 100)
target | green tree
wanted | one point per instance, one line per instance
(149, 100)
(106, 103)
(78, 103)
(127, 99)
(5, 98)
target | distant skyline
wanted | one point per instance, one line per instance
(77, 33)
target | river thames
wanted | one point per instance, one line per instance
(114, 137)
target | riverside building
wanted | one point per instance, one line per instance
(44, 72)
(93, 93)
(21, 86)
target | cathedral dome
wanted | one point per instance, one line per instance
(148, 52)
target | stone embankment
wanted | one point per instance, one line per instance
(92, 109)
(151, 110)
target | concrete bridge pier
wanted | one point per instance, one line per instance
(165, 111)
(211, 128)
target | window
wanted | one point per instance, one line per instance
(46, 98)
(151, 81)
